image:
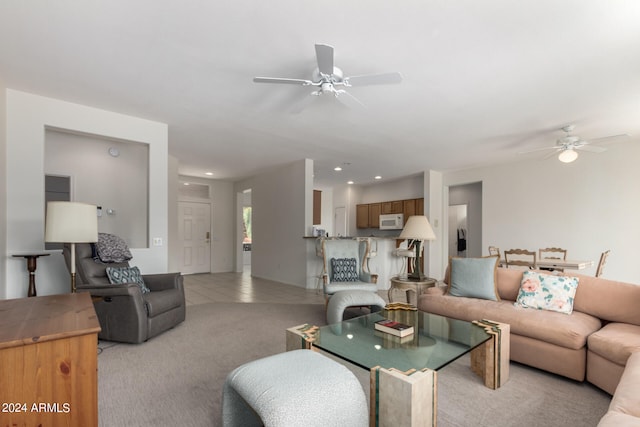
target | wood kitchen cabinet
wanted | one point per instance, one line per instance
(420, 206)
(374, 215)
(317, 207)
(394, 207)
(362, 216)
(408, 208)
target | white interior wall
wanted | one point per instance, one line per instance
(173, 244)
(3, 184)
(587, 206)
(282, 203)
(114, 183)
(27, 117)
(411, 187)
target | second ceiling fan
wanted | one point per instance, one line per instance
(327, 78)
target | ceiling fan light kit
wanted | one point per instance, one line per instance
(326, 77)
(568, 155)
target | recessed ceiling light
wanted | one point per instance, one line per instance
(337, 169)
(186, 183)
(350, 182)
(209, 173)
(377, 177)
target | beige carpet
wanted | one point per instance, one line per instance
(177, 377)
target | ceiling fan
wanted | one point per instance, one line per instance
(569, 145)
(327, 79)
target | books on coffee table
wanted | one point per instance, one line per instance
(394, 328)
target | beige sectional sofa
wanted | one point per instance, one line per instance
(593, 342)
(624, 410)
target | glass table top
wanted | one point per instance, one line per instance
(436, 341)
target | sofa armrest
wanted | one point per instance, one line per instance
(163, 282)
(437, 290)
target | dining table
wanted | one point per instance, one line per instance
(563, 264)
(559, 264)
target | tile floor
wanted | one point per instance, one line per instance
(241, 287)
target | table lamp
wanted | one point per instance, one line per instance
(71, 222)
(417, 229)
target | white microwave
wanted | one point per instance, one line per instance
(391, 221)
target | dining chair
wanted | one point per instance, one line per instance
(494, 250)
(602, 262)
(552, 253)
(520, 258)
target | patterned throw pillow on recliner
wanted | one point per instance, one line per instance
(344, 270)
(121, 275)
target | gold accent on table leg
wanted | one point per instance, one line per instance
(301, 337)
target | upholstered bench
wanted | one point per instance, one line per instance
(339, 302)
(296, 388)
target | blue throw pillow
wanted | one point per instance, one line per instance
(474, 278)
(121, 275)
(344, 270)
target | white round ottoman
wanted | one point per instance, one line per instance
(339, 302)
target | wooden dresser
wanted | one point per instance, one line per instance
(49, 361)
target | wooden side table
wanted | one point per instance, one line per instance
(415, 286)
(31, 267)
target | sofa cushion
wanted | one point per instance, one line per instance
(547, 292)
(569, 331)
(121, 275)
(474, 278)
(616, 342)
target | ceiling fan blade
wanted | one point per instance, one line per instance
(609, 138)
(349, 100)
(591, 148)
(303, 103)
(282, 80)
(324, 55)
(539, 149)
(373, 79)
(553, 153)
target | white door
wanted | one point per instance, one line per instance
(194, 232)
(340, 221)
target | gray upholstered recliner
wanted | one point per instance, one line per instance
(124, 312)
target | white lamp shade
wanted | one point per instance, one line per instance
(568, 155)
(71, 222)
(418, 228)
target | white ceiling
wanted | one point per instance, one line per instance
(483, 79)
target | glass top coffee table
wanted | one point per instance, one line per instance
(404, 370)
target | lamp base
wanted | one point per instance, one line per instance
(416, 277)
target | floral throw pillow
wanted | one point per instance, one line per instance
(547, 292)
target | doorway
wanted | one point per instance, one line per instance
(194, 233)
(469, 195)
(458, 230)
